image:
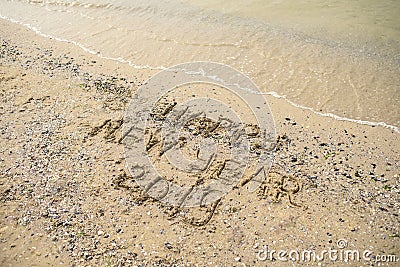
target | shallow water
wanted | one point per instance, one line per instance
(363, 24)
(336, 57)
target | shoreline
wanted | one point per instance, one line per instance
(132, 65)
(64, 189)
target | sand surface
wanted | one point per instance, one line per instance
(67, 198)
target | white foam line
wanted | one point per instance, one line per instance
(336, 117)
(276, 95)
(130, 63)
(84, 48)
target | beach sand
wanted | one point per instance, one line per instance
(66, 197)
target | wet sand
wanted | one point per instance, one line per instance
(67, 198)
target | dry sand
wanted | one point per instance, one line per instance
(66, 198)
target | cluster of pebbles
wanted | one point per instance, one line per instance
(43, 61)
(62, 178)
